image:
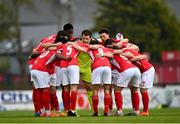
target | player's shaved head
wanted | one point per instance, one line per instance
(67, 26)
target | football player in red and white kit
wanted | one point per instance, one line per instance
(36, 93)
(44, 43)
(101, 75)
(54, 77)
(41, 72)
(68, 28)
(70, 74)
(41, 47)
(125, 72)
(121, 43)
(148, 71)
(104, 35)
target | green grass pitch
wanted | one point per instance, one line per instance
(165, 115)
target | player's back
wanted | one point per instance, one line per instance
(44, 61)
(143, 64)
(39, 48)
(69, 50)
(100, 61)
(122, 62)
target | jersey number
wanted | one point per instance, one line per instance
(69, 50)
(125, 58)
(100, 50)
(43, 54)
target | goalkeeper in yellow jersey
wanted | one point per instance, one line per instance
(84, 61)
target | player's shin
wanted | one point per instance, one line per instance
(145, 99)
(135, 100)
(66, 97)
(37, 100)
(107, 99)
(73, 99)
(54, 102)
(111, 100)
(118, 99)
(46, 99)
(95, 101)
(89, 94)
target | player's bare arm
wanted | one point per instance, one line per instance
(139, 57)
(122, 41)
(60, 56)
(95, 46)
(77, 47)
(125, 40)
(131, 46)
(47, 45)
(128, 55)
(107, 54)
(117, 51)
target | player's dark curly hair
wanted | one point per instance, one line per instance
(94, 41)
(104, 30)
(62, 36)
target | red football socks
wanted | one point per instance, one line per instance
(145, 99)
(73, 99)
(118, 99)
(107, 99)
(37, 101)
(66, 99)
(95, 101)
(135, 100)
(46, 98)
(54, 102)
